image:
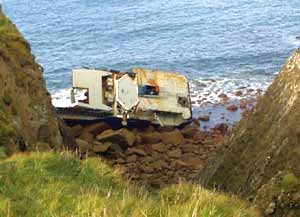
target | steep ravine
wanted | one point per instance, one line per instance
(262, 158)
(27, 121)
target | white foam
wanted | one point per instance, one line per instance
(203, 91)
(207, 91)
(62, 98)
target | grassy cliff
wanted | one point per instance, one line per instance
(61, 185)
(262, 158)
(27, 121)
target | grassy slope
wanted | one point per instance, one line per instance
(61, 185)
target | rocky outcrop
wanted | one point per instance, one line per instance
(27, 121)
(152, 155)
(262, 158)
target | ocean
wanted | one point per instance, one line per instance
(220, 45)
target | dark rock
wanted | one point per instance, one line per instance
(136, 151)
(223, 128)
(87, 137)
(204, 118)
(232, 108)
(160, 147)
(150, 137)
(83, 146)
(122, 137)
(76, 130)
(99, 147)
(176, 153)
(189, 131)
(96, 128)
(131, 158)
(223, 96)
(238, 93)
(174, 138)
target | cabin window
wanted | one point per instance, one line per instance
(80, 95)
(149, 90)
(183, 101)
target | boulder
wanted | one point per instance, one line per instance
(174, 138)
(150, 137)
(132, 158)
(159, 147)
(176, 153)
(76, 130)
(223, 128)
(189, 131)
(146, 169)
(223, 96)
(136, 151)
(232, 108)
(189, 148)
(123, 137)
(238, 93)
(204, 118)
(100, 147)
(83, 146)
(194, 161)
(87, 137)
(96, 128)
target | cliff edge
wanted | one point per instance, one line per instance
(27, 121)
(262, 158)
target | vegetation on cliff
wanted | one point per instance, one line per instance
(262, 158)
(61, 185)
(25, 106)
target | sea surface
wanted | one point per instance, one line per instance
(220, 45)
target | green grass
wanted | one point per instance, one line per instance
(49, 184)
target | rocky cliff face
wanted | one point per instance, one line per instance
(262, 158)
(26, 117)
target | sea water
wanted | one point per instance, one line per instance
(220, 45)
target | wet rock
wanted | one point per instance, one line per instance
(189, 131)
(174, 138)
(204, 118)
(223, 128)
(243, 104)
(238, 93)
(196, 122)
(223, 96)
(232, 108)
(100, 147)
(176, 153)
(160, 147)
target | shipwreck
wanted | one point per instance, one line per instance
(155, 96)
